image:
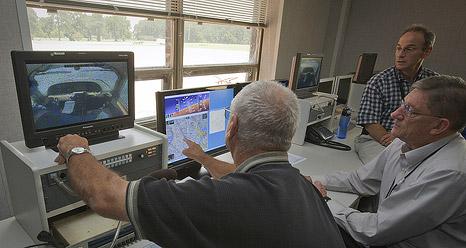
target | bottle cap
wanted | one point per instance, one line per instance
(346, 111)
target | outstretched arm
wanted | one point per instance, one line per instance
(215, 167)
(102, 189)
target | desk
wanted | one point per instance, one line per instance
(323, 160)
(13, 235)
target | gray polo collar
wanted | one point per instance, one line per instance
(266, 157)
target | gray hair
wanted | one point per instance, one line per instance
(429, 36)
(267, 116)
(446, 98)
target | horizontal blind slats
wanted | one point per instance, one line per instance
(245, 11)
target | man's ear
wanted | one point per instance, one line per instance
(427, 52)
(441, 125)
(232, 127)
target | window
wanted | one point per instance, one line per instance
(217, 42)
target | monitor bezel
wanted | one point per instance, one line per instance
(295, 67)
(327, 80)
(106, 128)
(365, 67)
(337, 87)
(161, 123)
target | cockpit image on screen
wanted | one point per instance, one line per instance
(64, 94)
(197, 116)
(308, 72)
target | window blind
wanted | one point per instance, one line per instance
(246, 12)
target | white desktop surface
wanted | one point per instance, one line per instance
(13, 235)
(321, 160)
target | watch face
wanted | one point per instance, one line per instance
(78, 150)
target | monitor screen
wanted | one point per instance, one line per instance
(239, 86)
(283, 82)
(305, 74)
(326, 85)
(343, 87)
(88, 93)
(365, 68)
(197, 114)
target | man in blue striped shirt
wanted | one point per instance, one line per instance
(385, 91)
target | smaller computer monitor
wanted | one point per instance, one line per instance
(326, 85)
(305, 74)
(365, 68)
(342, 89)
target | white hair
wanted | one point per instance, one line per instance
(267, 116)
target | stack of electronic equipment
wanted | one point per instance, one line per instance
(85, 93)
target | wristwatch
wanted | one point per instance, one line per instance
(76, 150)
(326, 198)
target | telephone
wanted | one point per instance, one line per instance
(320, 135)
(317, 133)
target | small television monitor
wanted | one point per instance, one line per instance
(365, 68)
(197, 114)
(85, 93)
(305, 74)
(342, 89)
(326, 85)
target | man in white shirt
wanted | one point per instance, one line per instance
(421, 176)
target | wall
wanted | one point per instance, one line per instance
(375, 26)
(344, 29)
(294, 26)
(9, 110)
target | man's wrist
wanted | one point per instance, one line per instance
(76, 151)
(326, 198)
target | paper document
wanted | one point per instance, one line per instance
(184, 179)
(295, 159)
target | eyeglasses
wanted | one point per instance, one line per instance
(409, 112)
(406, 50)
(227, 112)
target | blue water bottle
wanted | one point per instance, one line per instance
(344, 123)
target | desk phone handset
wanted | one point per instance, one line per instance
(320, 135)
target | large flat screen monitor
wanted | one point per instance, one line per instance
(197, 114)
(365, 67)
(86, 93)
(305, 74)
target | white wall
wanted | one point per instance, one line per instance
(294, 26)
(10, 130)
(375, 26)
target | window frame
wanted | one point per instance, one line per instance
(172, 74)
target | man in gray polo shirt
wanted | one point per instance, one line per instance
(259, 201)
